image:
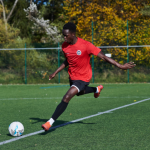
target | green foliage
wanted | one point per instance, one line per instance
(53, 11)
(13, 61)
(18, 18)
(146, 10)
(11, 34)
(3, 37)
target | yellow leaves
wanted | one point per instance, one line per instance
(110, 24)
(121, 62)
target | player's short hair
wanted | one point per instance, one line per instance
(70, 26)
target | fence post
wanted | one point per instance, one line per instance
(25, 65)
(58, 63)
(127, 52)
(92, 55)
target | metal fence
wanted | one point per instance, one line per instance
(33, 63)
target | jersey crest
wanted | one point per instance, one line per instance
(78, 52)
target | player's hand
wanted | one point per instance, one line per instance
(128, 65)
(52, 76)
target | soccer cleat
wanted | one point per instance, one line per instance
(100, 87)
(46, 126)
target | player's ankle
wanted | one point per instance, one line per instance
(51, 121)
(97, 91)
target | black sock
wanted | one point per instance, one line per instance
(90, 89)
(59, 110)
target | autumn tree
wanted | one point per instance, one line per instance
(110, 25)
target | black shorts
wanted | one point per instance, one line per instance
(79, 84)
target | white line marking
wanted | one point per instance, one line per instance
(107, 112)
(61, 98)
(99, 113)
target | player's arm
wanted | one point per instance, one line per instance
(63, 65)
(111, 61)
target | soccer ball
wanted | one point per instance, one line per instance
(16, 128)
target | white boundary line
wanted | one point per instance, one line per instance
(4, 99)
(99, 113)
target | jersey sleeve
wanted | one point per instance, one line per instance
(92, 49)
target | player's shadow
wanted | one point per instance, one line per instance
(36, 120)
(57, 124)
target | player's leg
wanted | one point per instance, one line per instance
(61, 107)
(95, 90)
(64, 103)
(87, 90)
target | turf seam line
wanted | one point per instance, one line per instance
(99, 113)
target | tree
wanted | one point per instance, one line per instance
(146, 10)
(49, 9)
(34, 15)
(53, 10)
(10, 13)
(18, 18)
(110, 25)
(12, 32)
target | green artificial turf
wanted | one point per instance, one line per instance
(125, 128)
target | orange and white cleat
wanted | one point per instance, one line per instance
(100, 87)
(46, 126)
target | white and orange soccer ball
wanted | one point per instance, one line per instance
(16, 128)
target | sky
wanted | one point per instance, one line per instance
(40, 1)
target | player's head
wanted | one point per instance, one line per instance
(69, 32)
(70, 26)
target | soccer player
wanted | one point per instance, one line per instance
(77, 53)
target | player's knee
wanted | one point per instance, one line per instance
(67, 98)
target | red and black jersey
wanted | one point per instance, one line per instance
(78, 57)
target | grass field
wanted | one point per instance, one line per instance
(111, 123)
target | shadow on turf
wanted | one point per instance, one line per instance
(57, 124)
(9, 135)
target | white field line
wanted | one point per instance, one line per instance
(99, 113)
(3, 99)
